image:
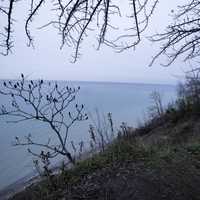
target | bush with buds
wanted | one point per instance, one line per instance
(48, 103)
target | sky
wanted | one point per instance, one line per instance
(47, 61)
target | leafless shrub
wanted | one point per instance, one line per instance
(101, 132)
(47, 103)
(125, 131)
(189, 92)
(78, 148)
(44, 170)
(156, 109)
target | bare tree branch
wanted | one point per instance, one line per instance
(76, 18)
(47, 103)
(182, 38)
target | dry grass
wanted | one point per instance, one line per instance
(163, 164)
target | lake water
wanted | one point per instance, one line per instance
(127, 102)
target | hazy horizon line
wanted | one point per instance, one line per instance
(94, 81)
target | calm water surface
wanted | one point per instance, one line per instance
(127, 103)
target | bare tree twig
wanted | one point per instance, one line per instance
(182, 38)
(47, 103)
(75, 18)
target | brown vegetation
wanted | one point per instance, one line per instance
(158, 160)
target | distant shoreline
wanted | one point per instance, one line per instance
(18, 185)
(34, 177)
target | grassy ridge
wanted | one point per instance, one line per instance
(158, 160)
(162, 164)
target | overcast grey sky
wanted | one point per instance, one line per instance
(48, 62)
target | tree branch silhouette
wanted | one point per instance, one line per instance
(182, 37)
(77, 18)
(47, 103)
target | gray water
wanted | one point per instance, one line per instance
(127, 102)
